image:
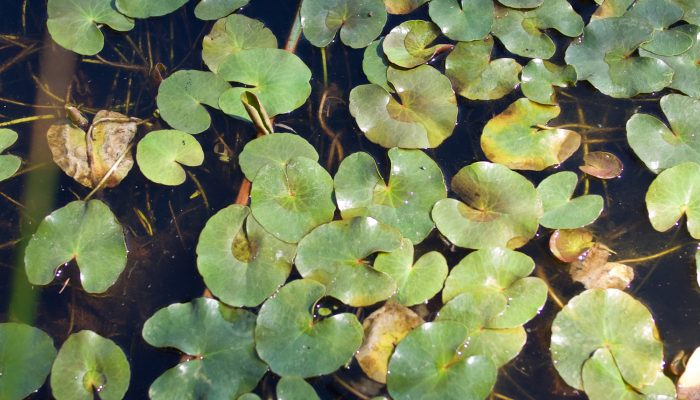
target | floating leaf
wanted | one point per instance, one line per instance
(604, 58)
(249, 396)
(515, 137)
(560, 210)
(441, 372)
(463, 20)
(88, 363)
(359, 22)
(661, 14)
(407, 44)
(87, 232)
(220, 360)
(146, 9)
(691, 11)
(521, 3)
(601, 164)
(539, 77)
(593, 270)
(475, 76)
(686, 75)
(295, 388)
(182, 95)
(424, 117)
(523, 31)
(26, 355)
(417, 282)
(375, 65)
(676, 191)
(161, 154)
(290, 200)
(500, 208)
(295, 343)
(336, 254)
(232, 34)
(277, 148)
(384, 328)
(279, 78)
(611, 8)
(9, 164)
(214, 9)
(415, 185)
(612, 319)
(240, 262)
(403, 6)
(568, 244)
(75, 24)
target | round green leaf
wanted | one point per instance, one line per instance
(475, 76)
(612, 319)
(87, 232)
(220, 360)
(515, 137)
(521, 3)
(26, 355)
(294, 342)
(146, 9)
(676, 191)
(214, 9)
(375, 65)
(562, 212)
(415, 185)
(424, 117)
(181, 97)
(604, 58)
(161, 154)
(295, 388)
(416, 282)
(539, 76)
(290, 200)
(611, 8)
(75, 24)
(241, 265)
(407, 44)
(336, 254)
(86, 363)
(277, 148)
(463, 20)
(279, 78)
(523, 31)
(500, 208)
(691, 11)
(429, 364)
(359, 21)
(403, 6)
(232, 34)
(249, 396)
(660, 14)
(9, 164)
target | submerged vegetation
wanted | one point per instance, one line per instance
(422, 272)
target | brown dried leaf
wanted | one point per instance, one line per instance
(688, 386)
(602, 164)
(594, 271)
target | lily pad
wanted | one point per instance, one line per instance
(560, 210)
(612, 319)
(277, 148)
(516, 139)
(75, 24)
(279, 78)
(475, 76)
(611, 8)
(661, 14)
(568, 244)
(676, 191)
(182, 95)
(26, 355)
(539, 77)
(215, 9)
(604, 58)
(220, 360)
(295, 343)
(403, 6)
(9, 164)
(88, 363)
(417, 282)
(423, 116)
(86, 232)
(375, 65)
(463, 20)
(500, 208)
(240, 262)
(161, 155)
(602, 165)
(295, 388)
(521, 3)
(336, 254)
(691, 11)
(407, 45)
(232, 34)
(415, 185)
(359, 21)
(146, 9)
(523, 31)
(686, 76)
(428, 364)
(290, 200)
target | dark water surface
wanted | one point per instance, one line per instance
(161, 269)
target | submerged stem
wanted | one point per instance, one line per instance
(652, 256)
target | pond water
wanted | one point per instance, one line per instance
(163, 224)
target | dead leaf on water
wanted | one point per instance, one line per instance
(602, 164)
(593, 270)
(688, 386)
